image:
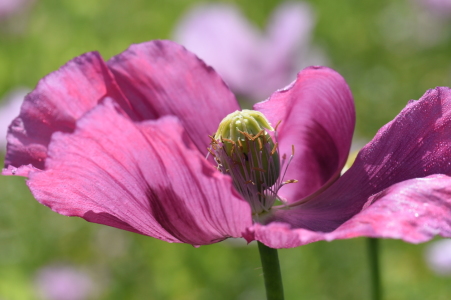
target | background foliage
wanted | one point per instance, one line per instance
(386, 51)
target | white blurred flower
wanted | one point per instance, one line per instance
(61, 282)
(438, 256)
(251, 62)
(9, 110)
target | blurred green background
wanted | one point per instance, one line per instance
(386, 51)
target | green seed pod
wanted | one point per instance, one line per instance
(249, 153)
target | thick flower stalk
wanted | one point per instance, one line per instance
(124, 143)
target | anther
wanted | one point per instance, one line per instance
(229, 141)
(211, 152)
(213, 141)
(247, 135)
(240, 144)
(277, 125)
(258, 134)
(274, 149)
(290, 181)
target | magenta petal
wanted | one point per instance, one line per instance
(415, 144)
(146, 178)
(318, 118)
(414, 211)
(162, 78)
(56, 104)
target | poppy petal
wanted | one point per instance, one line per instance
(414, 210)
(142, 177)
(56, 104)
(162, 78)
(317, 116)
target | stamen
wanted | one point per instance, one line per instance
(229, 141)
(247, 135)
(245, 150)
(277, 125)
(260, 144)
(258, 134)
(232, 151)
(213, 141)
(211, 152)
(274, 149)
(240, 144)
(290, 181)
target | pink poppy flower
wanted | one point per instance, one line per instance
(253, 63)
(123, 143)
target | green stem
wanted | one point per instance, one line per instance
(373, 256)
(271, 272)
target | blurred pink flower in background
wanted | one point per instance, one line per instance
(438, 256)
(9, 8)
(9, 109)
(253, 63)
(438, 7)
(63, 282)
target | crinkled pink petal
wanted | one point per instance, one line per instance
(221, 36)
(20, 171)
(143, 177)
(415, 144)
(58, 101)
(162, 78)
(414, 210)
(318, 117)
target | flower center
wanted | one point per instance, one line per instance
(243, 149)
